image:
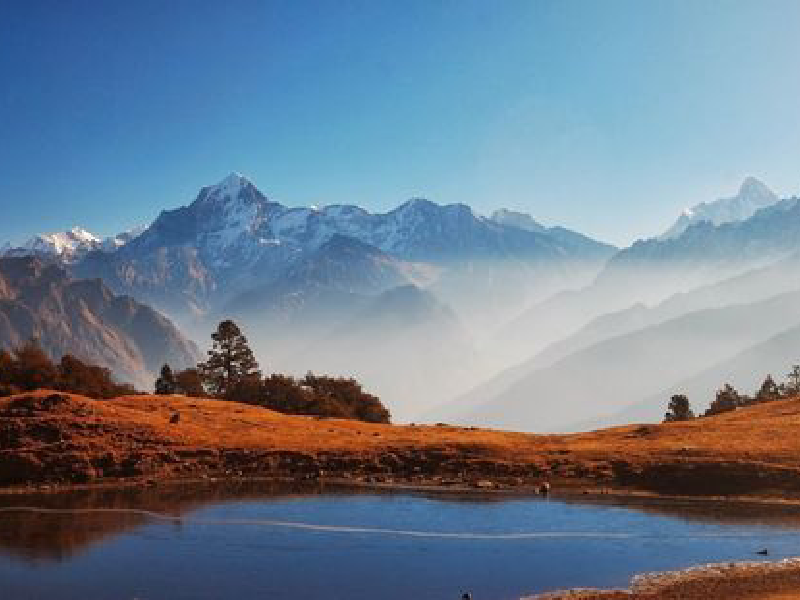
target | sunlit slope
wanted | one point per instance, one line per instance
(65, 438)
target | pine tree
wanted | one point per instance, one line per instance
(165, 384)
(679, 409)
(794, 379)
(727, 399)
(768, 391)
(230, 360)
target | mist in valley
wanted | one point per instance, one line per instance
(452, 316)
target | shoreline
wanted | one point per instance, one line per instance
(750, 580)
(743, 580)
(567, 490)
(56, 443)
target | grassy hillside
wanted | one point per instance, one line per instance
(60, 438)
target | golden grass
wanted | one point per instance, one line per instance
(769, 432)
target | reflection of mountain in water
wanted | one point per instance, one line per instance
(35, 536)
(30, 535)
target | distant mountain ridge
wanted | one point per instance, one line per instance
(605, 377)
(752, 196)
(69, 246)
(404, 341)
(232, 238)
(432, 302)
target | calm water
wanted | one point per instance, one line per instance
(256, 542)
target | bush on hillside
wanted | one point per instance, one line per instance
(189, 383)
(679, 409)
(232, 373)
(727, 399)
(349, 394)
(29, 368)
(315, 395)
(768, 391)
(79, 377)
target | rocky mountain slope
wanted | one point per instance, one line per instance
(39, 300)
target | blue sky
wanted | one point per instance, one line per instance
(605, 116)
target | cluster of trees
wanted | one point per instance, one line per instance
(231, 372)
(29, 367)
(728, 398)
(187, 382)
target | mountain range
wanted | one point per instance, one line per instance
(232, 239)
(450, 315)
(69, 246)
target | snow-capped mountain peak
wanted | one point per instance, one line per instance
(516, 219)
(68, 246)
(63, 244)
(752, 196)
(229, 188)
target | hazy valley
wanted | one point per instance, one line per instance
(443, 313)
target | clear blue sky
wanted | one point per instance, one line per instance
(605, 116)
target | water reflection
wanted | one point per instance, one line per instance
(42, 536)
(259, 540)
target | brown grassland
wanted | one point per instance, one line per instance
(57, 438)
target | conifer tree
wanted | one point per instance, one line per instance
(165, 384)
(230, 360)
(727, 399)
(794, 379)
(679, 409)
(768, 391)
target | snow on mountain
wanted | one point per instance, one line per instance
(69, 246)
(516, 219)
(65, 245)
(114, 242)
(233, 224)
(752, 196)
(572, 241)
(232, 238)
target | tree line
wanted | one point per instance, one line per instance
(231, 372)
(28, 368)
(728, 398)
